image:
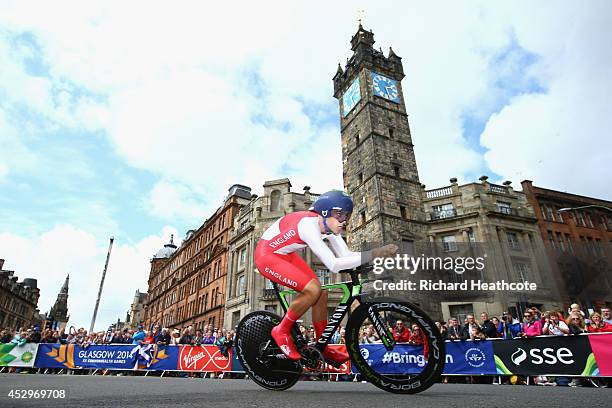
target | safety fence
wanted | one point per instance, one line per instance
(583, 355)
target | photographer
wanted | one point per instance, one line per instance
(553, 326)
(508, 328)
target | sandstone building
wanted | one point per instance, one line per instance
(18, 300)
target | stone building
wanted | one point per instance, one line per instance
(58, 315)
(485, 218)
(578, 242)
(18, 300)
(247, 290)
(136, 316)
(187, 284)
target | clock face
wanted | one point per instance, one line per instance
(351, 97)
(385, 87)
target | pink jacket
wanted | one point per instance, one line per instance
(532, 329)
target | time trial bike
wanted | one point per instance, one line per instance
(404, 368)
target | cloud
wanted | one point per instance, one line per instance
(66, 249)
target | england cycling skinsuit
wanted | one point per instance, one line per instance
(275, 255)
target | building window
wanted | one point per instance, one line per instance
(558, 215)
(568, 238)
(391, 131)
(460, 312)
(503, 207)
(449, 243)
(402, 211)
(471, 236)
(560, 241)
(396, 171)
(551, 239)
(269, 284)
(240, 285)
(360, 178)
(324, 276)
(442, 211)
(357, 139)
(275, 200)
(362, 216)
(513, 241)
(243, 254)
(235, 318)
(579, 219)
(521, 270)
(589, 220)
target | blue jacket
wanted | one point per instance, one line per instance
(138, 336)
(510, 331)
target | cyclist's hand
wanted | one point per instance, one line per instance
(385, 251)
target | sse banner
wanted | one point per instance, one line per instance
(554, 355)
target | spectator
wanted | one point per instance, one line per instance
(598, 325)
(454, 330)
(531, 327)
(164, 339)
(176, 337)
(209, 338)
(5, 336)
(477, 334)
(605, 315)
(487, 327)
(139, 336)
(495, 320)
(149, 338)
(156, 333)
(342, 334)
(575, 323)
(442, 329)
(553, 326)
(369, 336)
(47, 336)
(198, 338)
(20, 338)
(466, 330)
(186, 338)
(400, 333)
(336, 336)
(117, 338)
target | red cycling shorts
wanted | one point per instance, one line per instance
(288, 270)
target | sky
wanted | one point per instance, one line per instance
(132, 119)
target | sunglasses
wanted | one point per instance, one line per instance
(341, 215)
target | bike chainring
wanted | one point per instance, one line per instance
(312, 359)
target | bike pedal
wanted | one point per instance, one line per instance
(333, 363)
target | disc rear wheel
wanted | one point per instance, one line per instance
(259, 355)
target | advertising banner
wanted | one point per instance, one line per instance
(462, 357)
(203, 358)
(470, 357)
(554, 355)
(114, 357)
(601, 344)
(18, 356)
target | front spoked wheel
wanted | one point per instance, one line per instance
(403, 368)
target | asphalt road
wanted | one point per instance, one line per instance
(152, 392)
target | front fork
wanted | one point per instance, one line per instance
(384, 333)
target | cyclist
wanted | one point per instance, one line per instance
(277, 260)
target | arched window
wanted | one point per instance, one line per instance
(274, 200)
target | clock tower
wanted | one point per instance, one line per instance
(379, 166)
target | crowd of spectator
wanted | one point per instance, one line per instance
(533, 323)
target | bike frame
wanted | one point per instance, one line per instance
(351, 293)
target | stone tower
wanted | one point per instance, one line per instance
(59, 311)
(380, 171)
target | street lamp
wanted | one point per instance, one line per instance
(583, 207)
